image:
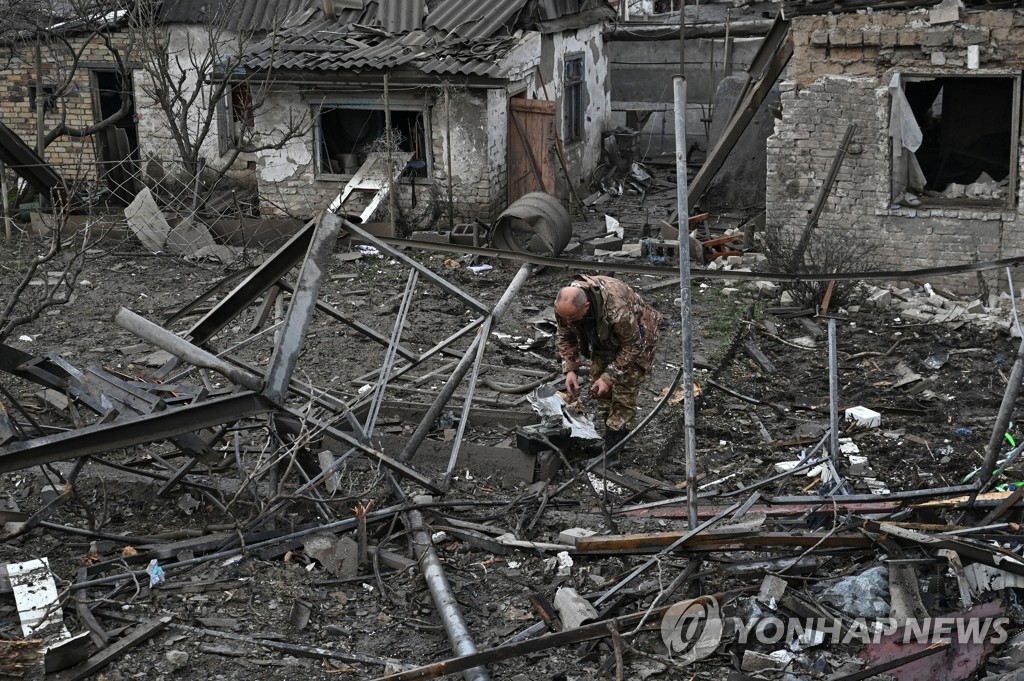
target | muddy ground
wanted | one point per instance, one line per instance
(931, 435)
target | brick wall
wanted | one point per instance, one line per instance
(839, 74)
(74, 158)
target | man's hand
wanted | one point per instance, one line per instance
(572, 383)
(600, 388)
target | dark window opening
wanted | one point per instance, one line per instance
(117, 145)
(236, 117)
(110, 92)
(49, 100)
(572, 102)
(348, 136)
(242, 107)
(967, 137)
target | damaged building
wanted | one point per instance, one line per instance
(932, 95)
(489, 102)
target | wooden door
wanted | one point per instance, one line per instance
(531, 135)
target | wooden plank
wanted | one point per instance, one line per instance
(541, 106)
(777, 48)
(762, 360)
(140, 634)
(823, 507)
(718, 541)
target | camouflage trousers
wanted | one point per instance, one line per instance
(619, 406)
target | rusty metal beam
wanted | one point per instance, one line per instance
(425, 272)
(128, 433)
(265, 276)
(300, 311)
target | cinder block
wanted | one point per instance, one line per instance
(606, 243)
(432, 237)
(667, 249)
(463, 234)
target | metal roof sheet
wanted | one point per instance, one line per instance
(473, 18)
(401, 16)
(327, 46)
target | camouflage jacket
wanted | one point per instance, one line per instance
(619, 326)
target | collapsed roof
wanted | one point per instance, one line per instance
(439, 37)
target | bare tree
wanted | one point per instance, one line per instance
(207, 102)
(52, 37)
(49, 42)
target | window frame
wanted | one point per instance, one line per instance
(319, 104)
(230, 129)
(899, 168)
(574, 106)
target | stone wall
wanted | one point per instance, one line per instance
(74, 158)
(839, 75)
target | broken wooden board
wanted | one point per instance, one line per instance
(716, 541)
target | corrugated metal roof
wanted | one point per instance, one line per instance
(401, 16)
(473, 18)
(259, 15)
(327, 46)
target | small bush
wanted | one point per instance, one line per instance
(828, 251)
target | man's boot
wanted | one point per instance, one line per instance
(611, 438)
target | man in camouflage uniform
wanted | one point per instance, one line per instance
(605, 320)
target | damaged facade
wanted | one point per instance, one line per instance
(74, 60)
(931, 175)
(467, 83)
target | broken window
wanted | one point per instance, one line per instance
(49, 98)
(235, 117)
(346, 135)
(573, 100)
(954, 139)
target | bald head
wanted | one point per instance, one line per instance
(571, 303)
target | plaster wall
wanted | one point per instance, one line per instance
(289, 184)
(188, 45)
(582, 155)
(839, 74)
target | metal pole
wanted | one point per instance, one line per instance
(467, 360)
(441, 593)
(389, 356)
(833, 393)
(682, 37)
(3, 190)
(178, 346)
(448, 142)
(689, 424)
(388, 142)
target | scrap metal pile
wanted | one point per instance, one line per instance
(844, 576)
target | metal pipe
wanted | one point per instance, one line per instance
(389, 356)
(176, 345)
(464, 364)
(685, 304)
(441, 593)
(467, 402)
(985, 475)
(833, 393)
